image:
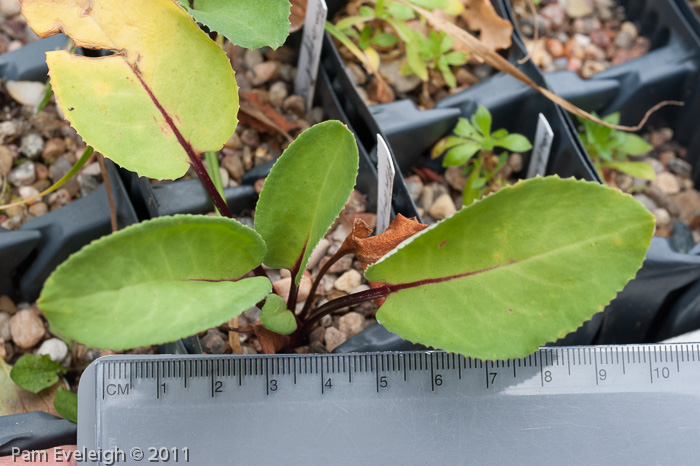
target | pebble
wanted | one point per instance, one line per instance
(5, 160)
(662, 216)
(667, 183)
(214, 342)
(414, 185)
(402, 83)
(295, 104)
(59, 168)
(22, 175)
(59, 198)
(333, 338)
(592, 67)
(27, 93)
(27, 192)
(555, 48)
(442, 208)
(233, 163)
(326, 321)
(555, 14)
(263, 72)
(55, 348)
(283, 285)
(5, 326)
(342, 265)
(351, 323)
(455, 178)
(38, 209)
(680, 167)
(42, 172)
(252, 58)
(348, 281)
(656, 165)
(88, 184)
(53, 148)
(578, 8)
(278, 92)
(9, 8)
(32, 145)
(688, 203)
(318, 253)
(682, 237)
(252, 315)
(26, 328)
(7, 305)
(8, 129)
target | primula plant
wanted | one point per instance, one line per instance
(473, 146)
(502, 276)
(611, 149)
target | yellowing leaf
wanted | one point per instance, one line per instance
(166, 96)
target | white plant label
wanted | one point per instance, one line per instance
(542, 148)
(310, 53)
(385, 179)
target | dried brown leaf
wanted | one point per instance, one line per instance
(271, 342)
(263, 117)
(496, 32)
(369, 249)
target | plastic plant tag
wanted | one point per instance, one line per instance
(542, 148)
(310, 53)
(385, 180)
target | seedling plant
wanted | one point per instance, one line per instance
(611, 149)
(493, 281)
(473, 147)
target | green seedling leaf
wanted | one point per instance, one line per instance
(514, 143)
(465, 129)
(304, 193)
(634, 145)
(15, 400)
(635, 169)
(66, 403)
(444, 144)
(384, 39)
(461, 154)
(35, 373)
(249, 23)
(351, 21)
(499, 278)
(157, 281)
(482, 120)
(149, 106)
(276, 317)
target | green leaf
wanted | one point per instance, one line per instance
(150, 106)
(472, 187)
(35, 373)
(276, 317)
(482, 120)
(384, 39)
(411, 40)
(444, 144)
(634, 145)
(351, 21)
(461, 154)
(456, 58)
(401, 12)
(499, 133)
(613, 119)
(635, 169)
(514, 143)
(429, 4)
(15, 400)
(307, 188)
(155, 282)
(66, 403)
(519, 268)
(465, 129)
(248, 23)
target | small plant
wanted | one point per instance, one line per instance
(611, 149)
(385, 24)
(493, 281)
(473, 147)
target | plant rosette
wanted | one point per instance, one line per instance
(580, 36)
(391, 53)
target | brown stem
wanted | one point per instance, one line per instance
(260, 272)
(346, 301)
(293, 292)
(108, 188)
(317, 281)
(203, 175)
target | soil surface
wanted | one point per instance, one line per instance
(585, 36)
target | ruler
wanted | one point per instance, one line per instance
(602, 405)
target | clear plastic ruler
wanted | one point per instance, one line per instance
(607, 405)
